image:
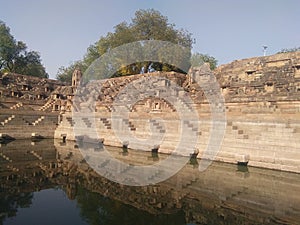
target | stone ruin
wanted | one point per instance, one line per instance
(22, 89)
(262, 106)
(270, 81)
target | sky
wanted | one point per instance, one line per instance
(62, 30)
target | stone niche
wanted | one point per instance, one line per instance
(156, 106)
(26, 87)
(225, 91)
(297, 71)
(269, 86)
(250, 72)
(56, 106)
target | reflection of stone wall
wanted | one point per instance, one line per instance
(221, 193)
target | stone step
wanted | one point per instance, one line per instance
(36, 155)
(5, 157)
(16, 106)
(129, 124)
(47, 105)
(40, 119)
(10, 118)
(106, 123)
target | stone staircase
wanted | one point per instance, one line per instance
(239, 133)
(110, 108)
(157, 126)
(36, 122)
(5, 157)
(232, 194)
(36, 155)
(12, 168)
(190, 182)
(16, 106)
(20, 126)
(129, 124)
(48, 105)
(191, 126)
(70, 121)
(169, 105)
(87, 122)
(27, 122)
(184, 105)
(106, 123)
(10, 118)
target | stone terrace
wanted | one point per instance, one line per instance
(262, 104)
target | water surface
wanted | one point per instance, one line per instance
(49, 182)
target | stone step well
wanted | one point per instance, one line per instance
(22, 126)
(264, 142)
(211, 187)
(112, 87)
(17, 120)
(259, 107)
(69, 122)
(271, 134)
(278, 134)
(236, 185)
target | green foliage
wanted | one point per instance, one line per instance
(15, 58)
(285, 50)
(98, 209)
(198, 59)
(146, 25)
(11, 202)
(151, 25)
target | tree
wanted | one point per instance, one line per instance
(151, 25)
(7, 46)
(285, 50)
(146, 25)
(198, 59)
(15, 58)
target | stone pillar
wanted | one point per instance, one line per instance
(76, 77)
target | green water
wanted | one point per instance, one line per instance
(48, 182)
(52, 206)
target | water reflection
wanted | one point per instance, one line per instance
(223, 194)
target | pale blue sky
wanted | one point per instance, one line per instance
(61, 30)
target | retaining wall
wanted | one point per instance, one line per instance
(269, 140)
(21, 124)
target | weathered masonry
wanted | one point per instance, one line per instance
(22, 107)
(262, 105)
(262, 100)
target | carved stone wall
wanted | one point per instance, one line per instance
(262, 102)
